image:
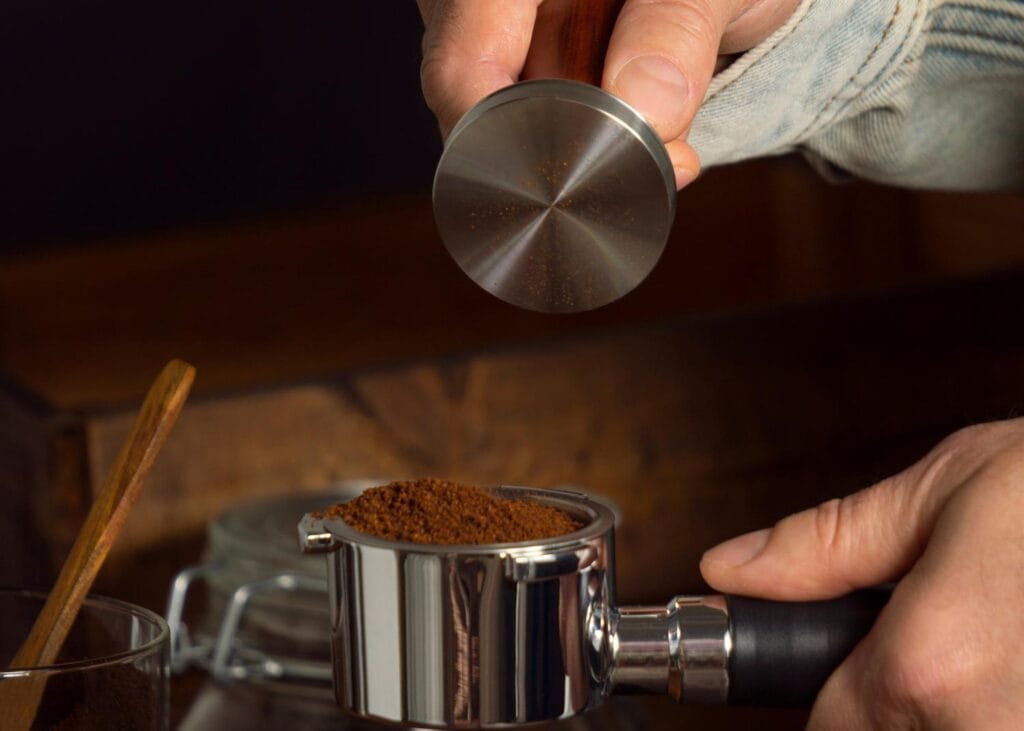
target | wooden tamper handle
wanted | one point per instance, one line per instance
(570, 39)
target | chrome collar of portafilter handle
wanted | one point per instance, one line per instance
(681, 649)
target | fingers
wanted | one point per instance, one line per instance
(662, 55)
(944, 652)
(755, 23)
(838, 706)
(470, 49)
(931, 659)
(878, 685)
(867, 538)
(685, 162)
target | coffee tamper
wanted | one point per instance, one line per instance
(487, 636)
(553, 194)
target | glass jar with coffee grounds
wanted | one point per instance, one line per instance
(111, 672)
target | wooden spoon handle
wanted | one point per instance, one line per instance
(570, 39)
(105, 519)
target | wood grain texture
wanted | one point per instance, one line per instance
(367, 284)
(570, 39)
(45, 483)
(20, 698)
(699, 429)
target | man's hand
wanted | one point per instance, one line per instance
(660, 59)
(948, 649)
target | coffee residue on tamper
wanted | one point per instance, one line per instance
(442, 512)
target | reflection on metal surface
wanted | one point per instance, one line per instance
(681, 649)
(424, 656)
(555, 196)
(507, 634)
(481, 648)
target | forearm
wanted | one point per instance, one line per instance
(918, 93)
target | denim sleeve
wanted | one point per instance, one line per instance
(919, 93)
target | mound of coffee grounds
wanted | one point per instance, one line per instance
(442, 512)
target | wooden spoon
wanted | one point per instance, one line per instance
(19, 698)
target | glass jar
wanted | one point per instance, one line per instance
(261, 628)
(112, 671)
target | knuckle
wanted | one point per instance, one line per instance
(913, 685)
(682, 23)
(966, 451)
(437, 75)
(841, 526)
(700, 24)
(438, 13)
(827, 525)
(920, 677)
(438, 72)
(971, 435)
(950, 460)
(431, 71)
(985, 437)
(834, 525)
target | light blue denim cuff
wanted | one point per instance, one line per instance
(919, 93)
(800, 79)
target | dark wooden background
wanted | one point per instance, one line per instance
(764, 367)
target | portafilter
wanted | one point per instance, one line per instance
(482, 636)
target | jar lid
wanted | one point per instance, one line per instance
(264, 531)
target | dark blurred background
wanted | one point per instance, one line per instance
(246, 186)
(123, 116)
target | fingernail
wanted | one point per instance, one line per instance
(656, 88)
(740, 550)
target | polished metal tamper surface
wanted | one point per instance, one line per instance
(555, 196)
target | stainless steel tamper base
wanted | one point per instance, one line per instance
(555, 196)
(485, 636)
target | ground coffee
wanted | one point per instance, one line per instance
(442, 512)
(110, 698)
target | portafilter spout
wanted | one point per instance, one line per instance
(482, 636)
(552, 194)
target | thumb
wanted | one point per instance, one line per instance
(865, 539)
(661, 57)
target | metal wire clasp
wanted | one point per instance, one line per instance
(222, 656)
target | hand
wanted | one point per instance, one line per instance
(948, 649)
(660, 59)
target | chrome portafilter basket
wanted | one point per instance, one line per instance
(483, 636)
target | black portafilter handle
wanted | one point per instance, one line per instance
(783, 652)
